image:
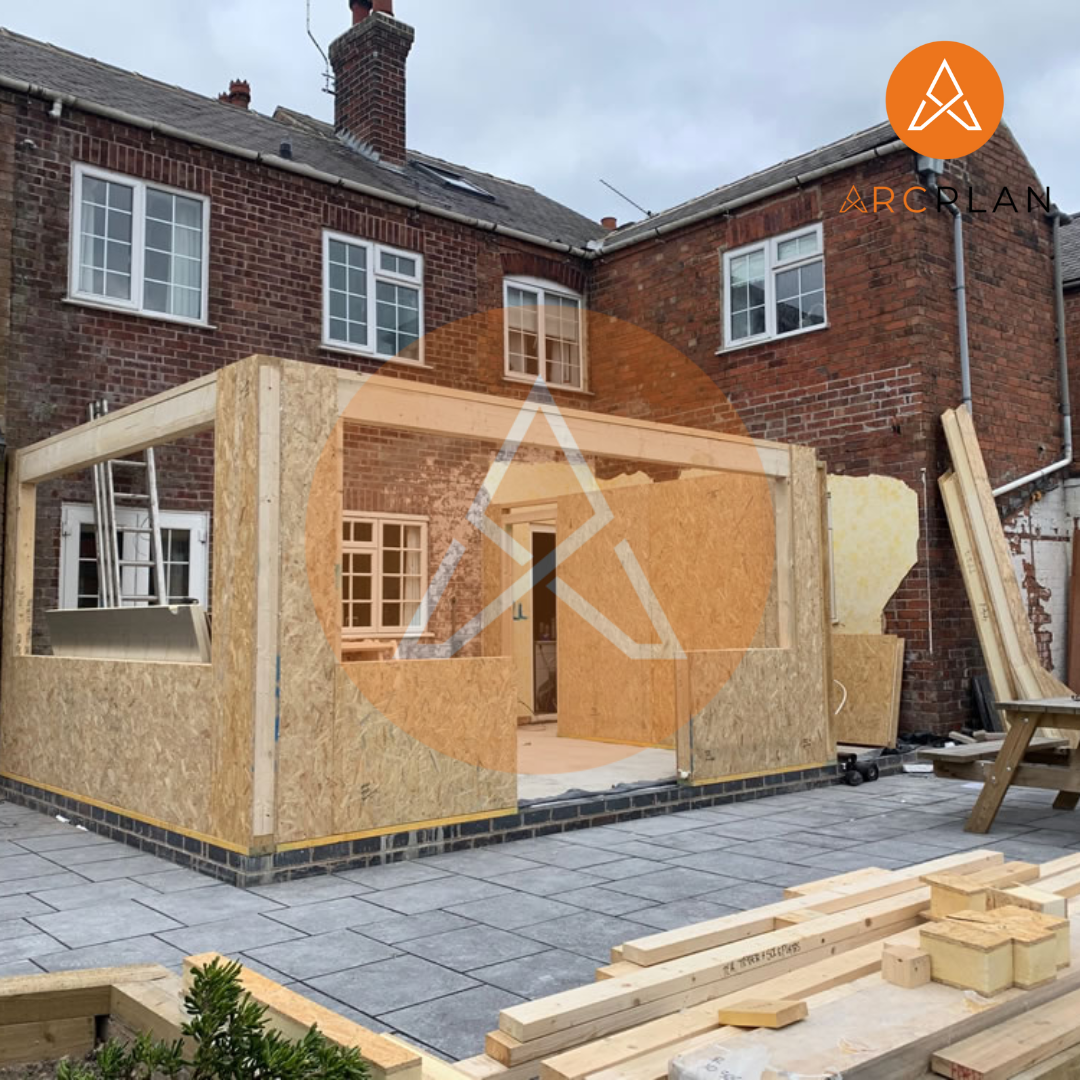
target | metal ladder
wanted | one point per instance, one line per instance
(110, 534)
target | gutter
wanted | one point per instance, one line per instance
(275, 161)
(1059, 219)
(789, 184)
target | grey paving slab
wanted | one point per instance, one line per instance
(310, 890)
(606, 901)
(432, 895)
(318, 918)
(339, 1007)
(14, 928)
(650, 849)
(19, 967)
(482, 863)
(731, 865)
(9, 848)
(33, 944)
(1062, 838)
(671, 883)
(543, 973)
(603, 837)
(72, 857)
(627, 868)
(748, 894)
(230, 937)
(118, 868)
(16, 868)
(1019, 849)
(786, 851)
(862, 830)
(753, 828)
(71, 838)
(570, 856)
(682, 913)
(97, 923)
(392, 984)
(192, 907)
(840, 862)
(514, 910)
(19, 904)
(587, 933)
(823, 840)
(322, 954)
(406, 927)
(137, 950)
(697, 840)
(1060, 820)
(179, 880)
(451, 1023)
(58, 880)
(551, 880)
(462, 950)
(393, 876)
(661, 825)
(85, 893)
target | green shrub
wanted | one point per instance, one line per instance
(232, 1041)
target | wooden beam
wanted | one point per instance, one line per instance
(166, 417)
(46, 1040)
(67, 994)
(382, 401)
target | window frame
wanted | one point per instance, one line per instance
(74, 515)
(375, 273)
(136, 305)
(773, 265)
(521, 281)
(377, 629)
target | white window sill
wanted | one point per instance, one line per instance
(531, 381)
(139, 313)
(344, 350)
(749, 343)
(371, 640)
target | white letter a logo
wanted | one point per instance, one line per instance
(950, 89)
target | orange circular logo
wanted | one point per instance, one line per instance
(944, 99)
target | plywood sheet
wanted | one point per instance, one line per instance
(392, 723)
(869, 667)
(875, 538)
(137, 735)
(771, 709)
(310, 553)
(706, 548)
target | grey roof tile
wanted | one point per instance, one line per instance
(314, 144)
(1070, 252)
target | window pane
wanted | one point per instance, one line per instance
(740, 326)
(347, 288)
(803, 304)
(391, 615)
(813, 309)
(787, 317)
(396, 317)
(173, 258)
(810, 277)
(787, 284)
(757, 320)
(105, 266)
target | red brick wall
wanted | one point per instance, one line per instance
(868, 391)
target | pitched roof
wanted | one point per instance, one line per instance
(757, 184)
(314, 144)
(1070, 252)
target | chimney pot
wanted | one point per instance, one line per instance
(610, 223)
(361, 9)
(239, 94)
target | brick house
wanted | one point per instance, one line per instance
(150, 235)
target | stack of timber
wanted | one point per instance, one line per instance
(1005, 636)
(833, 980)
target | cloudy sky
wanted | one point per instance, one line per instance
(666, 99)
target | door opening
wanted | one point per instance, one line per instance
(544, 627)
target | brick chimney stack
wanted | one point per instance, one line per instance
(239, 94)
(369, 79)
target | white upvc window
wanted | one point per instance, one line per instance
(774, 288)
(373, 298)
(384, 574)
(184, 542)
(139, 246)
(544, 333)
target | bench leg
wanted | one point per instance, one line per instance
(1000, 775)
(1067, 800)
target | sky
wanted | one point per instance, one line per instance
(665, 99)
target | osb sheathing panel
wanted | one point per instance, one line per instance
(771, 711)
(716, 532)
(383, 774)
(144, 745)
(309, 537)
(875, 537)
(236, 467)
(868, 666)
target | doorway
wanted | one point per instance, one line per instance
(544, 627)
